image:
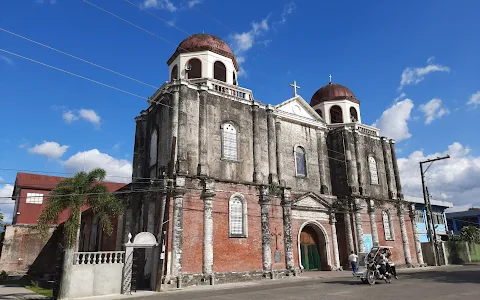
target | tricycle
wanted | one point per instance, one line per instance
(370, 267)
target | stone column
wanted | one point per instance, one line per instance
(321, 161)
(336, 256)
(278, 134)
(257, 151)
(174, 117)
(202, 168)
(358, 224)
(207, 196)
(287, 231)
(395, 170)
(356, 140)
(182, 133)
(348, 231)
(418, 245)
(265, 221)
(373, 222)
(127, 266)
(388, 170)
(351, 164)
(272, 154)
(177, 229)
(403, 229)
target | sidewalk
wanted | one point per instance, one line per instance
(10, 292)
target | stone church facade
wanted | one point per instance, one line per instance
(235, 189)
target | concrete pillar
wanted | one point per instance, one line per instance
(257, 150)
(207, 196)
(322, 160)
(348, 232)
(388, 171)
(272, 151)
(373, 222)
(177, 229)
(202, 168)
(336, 256)
(396, 172)
(265, 223)
(127, 266)
(287, 231)
(278, 135)
(403, 229)
(359, 205)
(182, 147)
(356, 140)
(418, 245)
(352, 176)
(174, 117)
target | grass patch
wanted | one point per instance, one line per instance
(32, 285)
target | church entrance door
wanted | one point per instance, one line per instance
(311, 249)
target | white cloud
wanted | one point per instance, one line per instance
(474, 99)
(88, 160)
(242, 42)
(160, 4)
(415, 75)
(455, 178)
(287, 10)
(6, 208)
(433, 110)
(8, 60)
(393, 123)
(69, 116)
(402, 95)
(49, 149)
(192, 3)
(90, 115)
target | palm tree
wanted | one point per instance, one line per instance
(72, 194)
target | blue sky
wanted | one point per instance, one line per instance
(369, 46)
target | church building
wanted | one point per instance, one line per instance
(235, 189)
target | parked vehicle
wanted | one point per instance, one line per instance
(370, 269)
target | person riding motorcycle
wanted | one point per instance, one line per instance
(391, 265)
(382, 262)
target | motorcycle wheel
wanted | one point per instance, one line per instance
(370, 277)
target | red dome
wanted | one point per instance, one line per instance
(202, 42)
(332, 91)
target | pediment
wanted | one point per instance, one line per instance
(298, 107)
(311, 201)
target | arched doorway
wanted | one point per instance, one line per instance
(313, 247)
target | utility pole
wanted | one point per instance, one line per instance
(428, 207)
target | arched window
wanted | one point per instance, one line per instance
(153, 147)
(237, 212)
(319, 112)
(372, 166)
(353, 115)
(219, 71)
(235, 79)
(300, 161)
(229, 141)
(194, 68)
(336, 114)
(174, 74)
(388, 226)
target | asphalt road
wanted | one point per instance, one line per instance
(458, 282)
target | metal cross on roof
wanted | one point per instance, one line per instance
(330, 76)
(295, 87)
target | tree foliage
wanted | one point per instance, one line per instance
(71, 194)
(470, 234)
(1, 218)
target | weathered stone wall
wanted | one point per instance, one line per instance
(26, 251)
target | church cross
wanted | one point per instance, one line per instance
(276, 234)
(295, 87)
(330, 76)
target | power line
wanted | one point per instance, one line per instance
(77, 58)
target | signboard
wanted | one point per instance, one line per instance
(367, 242)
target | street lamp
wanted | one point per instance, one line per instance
(428, 206)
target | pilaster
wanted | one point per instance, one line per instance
(287, 230)
(265, 222)
(356, 140)
(359, 206)
(208, 194)
(418, 245)
(396, 172)
(373, 222)
(272, 151)
(336, 256)
(174, 118)
(388, 172)
(177, 228)
(351, 164)
(403, 229)
(348, 230)
(182, 167)
(257, 176)
(202, 168)
(322, 162)
(278, 135)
